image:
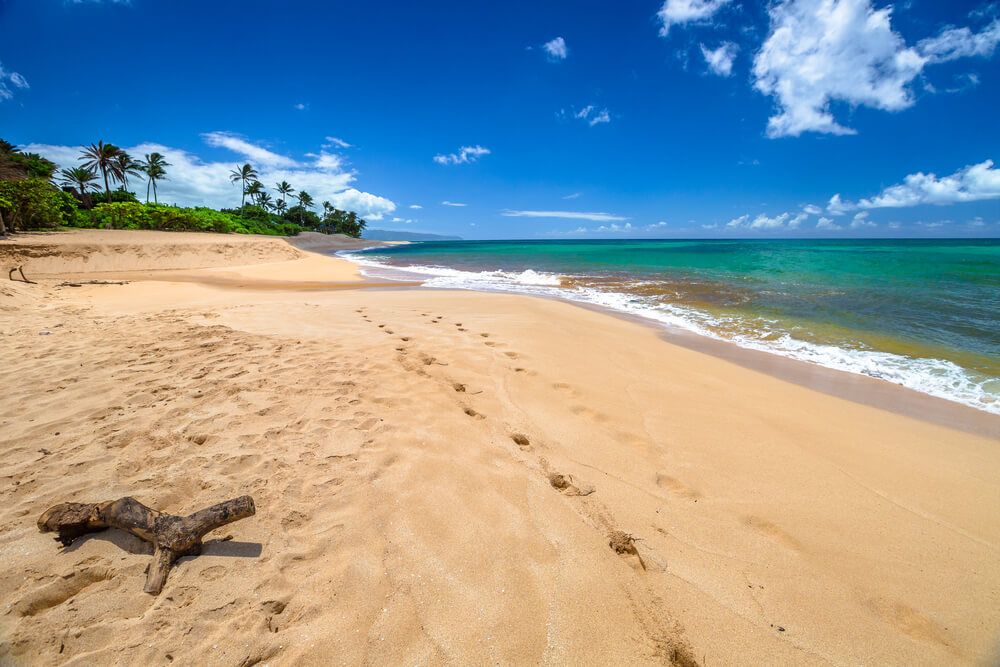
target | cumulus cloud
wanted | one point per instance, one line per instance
(556, 49)
(837, 206)
(972, 183)
(615, 228)
(680, 12)
(10, 81)
(656, 226)
(823, 51)
(861, 220)
(765, 222)
(465, 155)
(977, 182)
(569, 215)
(812, 209)
(720, 60)
(192, 181)
(827, 223)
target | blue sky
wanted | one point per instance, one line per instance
(575, 119)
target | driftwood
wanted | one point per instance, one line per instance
(171, 536)
(81, 283)
(19, 269)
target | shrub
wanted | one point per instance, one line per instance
(34, 203)
(118, 215)
(133, 215)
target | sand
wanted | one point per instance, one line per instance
(454, 477)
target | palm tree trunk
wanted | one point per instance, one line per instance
(149, 182)
(3, 228)
(107, 188)
(155, 200)
(243, 199)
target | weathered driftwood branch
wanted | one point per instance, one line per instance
(19, 269)
(81, 283)
(171, 536)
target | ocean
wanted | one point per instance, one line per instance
(921, 313)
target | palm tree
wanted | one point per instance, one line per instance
(305, 201)
(77, 177)
(280, 206)
(264, 201)
(284, 189)
(255, 190)
(155, 168)
(244, 175)
(123, 167)
(101, 157)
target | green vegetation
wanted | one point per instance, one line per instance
(30, 200)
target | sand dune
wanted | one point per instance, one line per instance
(438, 475)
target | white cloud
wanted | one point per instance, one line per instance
(591, 116)
(575, 195)
(710, 226)
(679, 12)
(812, 209)
(827, 223)
(366, 204)
(861, 220)
(616, 228)
(972, 183)
(720, 60)
(405, 221)
(556, 48)
(837, 206)
(301, 106)
(252, 152)
(339, 143)
(894, 225)
(655, 226)
(764, 222)
(569, 215)
(465, 155)
(451, 203)
(191, 181)
(824, 51)
(416, 206)
(9, 80)
(957, 43)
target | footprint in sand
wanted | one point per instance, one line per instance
(513, 355)
(405, 339)
(459, 387)
(676, 487)
(773, 531)
(909, 621)
(475, 415)
(569, 486)
(521, 440)
(485, 335)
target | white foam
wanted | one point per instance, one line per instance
(936, 377)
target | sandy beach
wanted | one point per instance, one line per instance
(437, 475)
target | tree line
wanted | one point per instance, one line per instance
(24, 198)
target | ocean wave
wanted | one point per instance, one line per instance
(936, 377)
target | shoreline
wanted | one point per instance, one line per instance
(856, 387)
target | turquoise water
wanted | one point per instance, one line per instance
(922, 313)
